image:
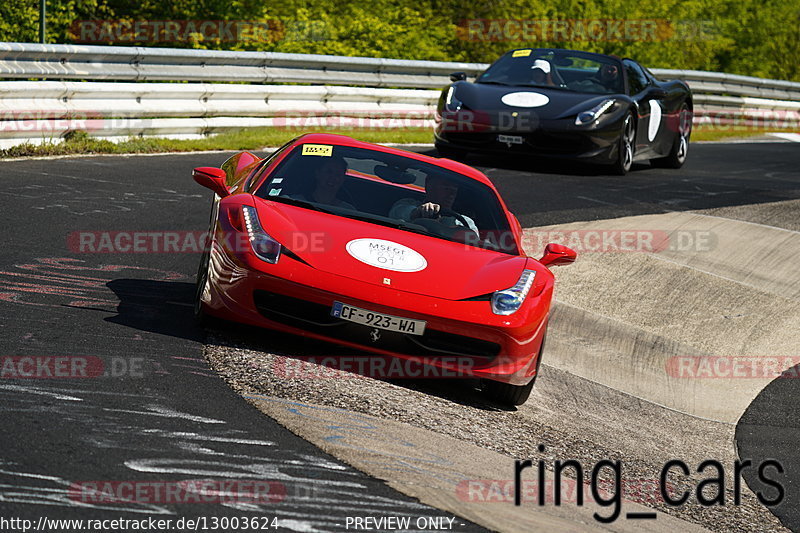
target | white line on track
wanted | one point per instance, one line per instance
(754, 140)
(159, 411)
(596, 201)
(42, 392)
(794, 137)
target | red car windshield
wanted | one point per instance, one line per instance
(391, 190)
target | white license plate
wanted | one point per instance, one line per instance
(377, 320)
(510, 139)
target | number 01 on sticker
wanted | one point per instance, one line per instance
(324, 150)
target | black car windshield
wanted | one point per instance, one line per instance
(569, 70)
(389, 190)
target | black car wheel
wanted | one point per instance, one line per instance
(506, 394)
(680, 147)
(202, 279)
(627, 144)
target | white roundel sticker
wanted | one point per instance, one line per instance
(526, 99)
(655, 119)
(387, 255)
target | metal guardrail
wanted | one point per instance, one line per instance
(70, 62)
(53, 61)
(370, 92)
(37, 111)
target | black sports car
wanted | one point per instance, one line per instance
(567, 103)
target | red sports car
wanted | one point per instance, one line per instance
(378, 249)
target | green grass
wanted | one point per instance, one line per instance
(79, 142)
(717, 133)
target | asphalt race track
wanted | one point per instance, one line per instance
(161, 414)
(715, 175)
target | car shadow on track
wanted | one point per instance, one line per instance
(163, 307)
(769, 430)
(462, 391)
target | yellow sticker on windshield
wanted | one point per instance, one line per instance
(325, 150)
(521, 53)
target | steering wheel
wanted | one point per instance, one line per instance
(450, 213)
(434, 225)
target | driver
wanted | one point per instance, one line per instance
(328, 179)
(541, 73)
(440, 195)
(608, 76)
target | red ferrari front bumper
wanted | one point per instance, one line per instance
(462, 337)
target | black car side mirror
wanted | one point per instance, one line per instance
(458, 76)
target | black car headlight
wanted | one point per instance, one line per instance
(590, 115)
(452, 103)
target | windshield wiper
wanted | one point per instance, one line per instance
(491, 82)
(414, 228)
(541, 86)
(298, 203)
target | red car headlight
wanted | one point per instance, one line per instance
(509, 300)
(265, 247)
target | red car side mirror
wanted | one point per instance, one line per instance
(557, 254)
(212, 178)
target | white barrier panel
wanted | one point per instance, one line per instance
(37, 111)
(63, 99)
(339, 88)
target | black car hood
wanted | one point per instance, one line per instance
(486, 100)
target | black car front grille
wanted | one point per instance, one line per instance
(475, 139)
(555, 142)
(317, 318)
(293, 311)
(536, 141)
